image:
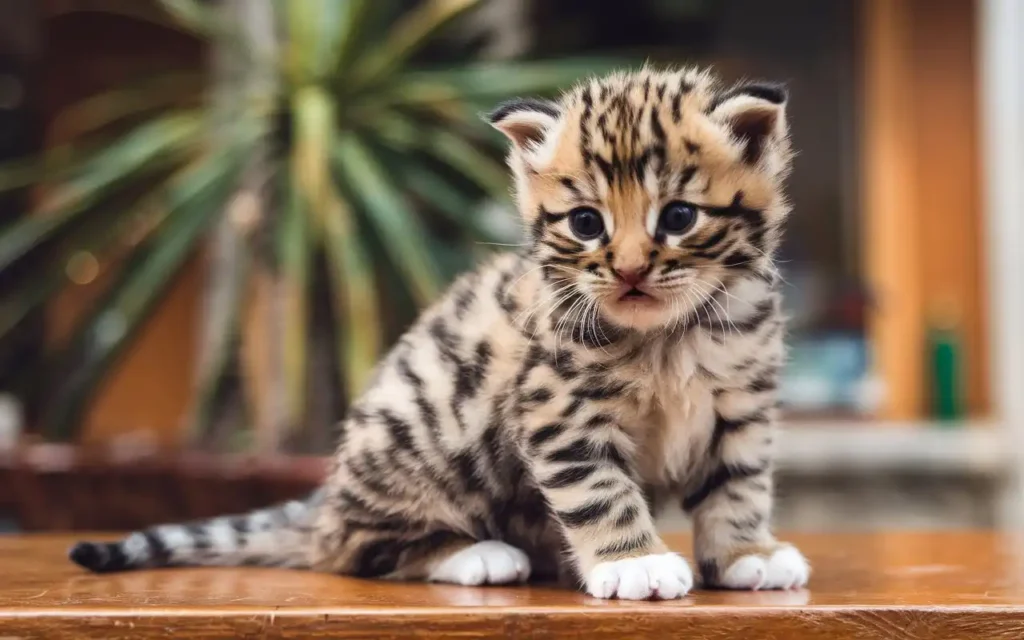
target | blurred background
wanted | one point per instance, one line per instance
(215, 215)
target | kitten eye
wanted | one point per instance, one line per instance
(677, 217)
(586, 223)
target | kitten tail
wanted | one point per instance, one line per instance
(278, 536)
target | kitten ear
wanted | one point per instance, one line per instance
(525, 121)
(754, 113)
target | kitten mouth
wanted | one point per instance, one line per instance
(635, 295)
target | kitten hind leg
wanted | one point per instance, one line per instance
(394, 550)
(487, 562)
(437, 556)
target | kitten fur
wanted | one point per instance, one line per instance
(534, 418)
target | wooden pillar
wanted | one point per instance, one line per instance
(922, 213)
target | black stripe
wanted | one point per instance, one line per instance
(568, 183)
(582, 450)
(401, 431)
(428, 414)
(566, 261)
(466, 464)
(563, 364)
(159, 554)
(552, 217)
(768, 91)
(599, 420)
(724, 426)
(712, 240)
(722, 475)
(600, 389)
(579, 450)
(241, 525)
(471, 377)
(627, 516)
(671, 265)
(355, 505)
(569, 476)
(588, 514)
(447, 342)
(685, 177)
(509, 107)
(751, 217)
(762, 312)
(545, 433)
(468, 379)
(463, 300)
(537, 396)
(606, 168)
(571, 409)
(656, 129)
(534, 357)
(367, 471)
(612, 454)
(708, 570)
(564, 251)
(767, 380)
(739, 260)
(752, 521)
(200, 534)
(626, 546)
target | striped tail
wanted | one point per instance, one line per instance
(278, 536)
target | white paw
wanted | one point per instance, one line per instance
(662, 576)
(785, 569)
(488, 562)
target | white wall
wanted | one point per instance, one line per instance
(1001, 48)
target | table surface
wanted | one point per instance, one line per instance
(885, 585)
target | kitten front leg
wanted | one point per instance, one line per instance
(581, 466)
(731, 507)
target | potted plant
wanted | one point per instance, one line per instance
(335, 183)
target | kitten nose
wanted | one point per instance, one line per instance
(631, 277)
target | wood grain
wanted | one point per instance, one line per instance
(893, 585)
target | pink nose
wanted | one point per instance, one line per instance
(631, 277)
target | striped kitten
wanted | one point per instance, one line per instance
(533, 419)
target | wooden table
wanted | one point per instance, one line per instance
(892, 585)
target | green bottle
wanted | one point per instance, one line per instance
(945, 351)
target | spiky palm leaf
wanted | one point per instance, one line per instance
(369, 162)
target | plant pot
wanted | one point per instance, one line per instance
(50, 487)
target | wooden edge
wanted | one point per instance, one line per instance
(600, 620)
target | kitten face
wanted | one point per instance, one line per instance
(646, 193)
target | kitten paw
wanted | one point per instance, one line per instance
(664, 576)
(784, 569)
(487, 562)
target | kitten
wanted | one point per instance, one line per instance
(534, 418)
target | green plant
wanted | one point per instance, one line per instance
(312, 149)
